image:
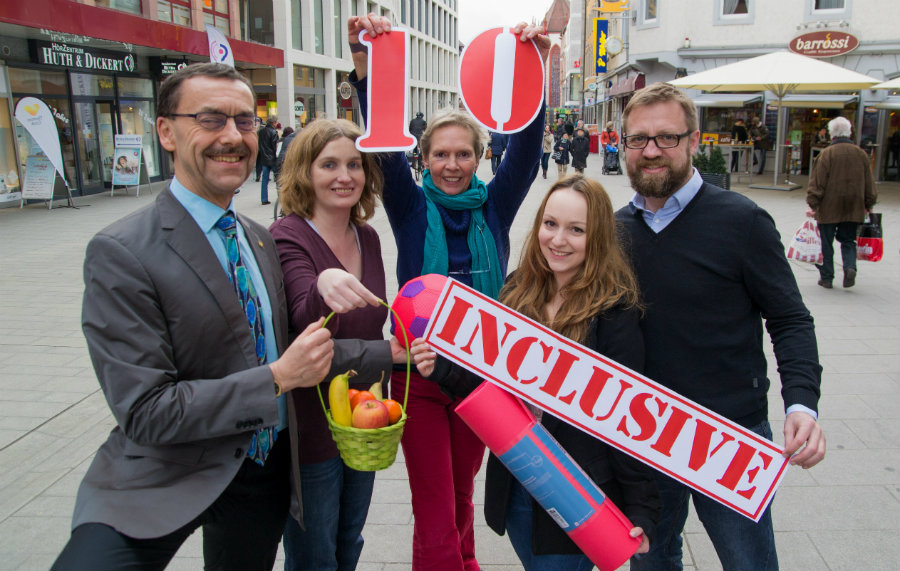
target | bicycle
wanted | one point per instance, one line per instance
(416, 164)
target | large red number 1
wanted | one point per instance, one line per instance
(387, 126)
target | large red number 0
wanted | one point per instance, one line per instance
(387, 126)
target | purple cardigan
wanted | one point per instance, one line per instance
(304, 254)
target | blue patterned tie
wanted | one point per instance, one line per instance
(264, 438)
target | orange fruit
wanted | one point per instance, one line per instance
(395, 411)
(360, 397)
(350, 394)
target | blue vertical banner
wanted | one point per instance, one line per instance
(601, 28)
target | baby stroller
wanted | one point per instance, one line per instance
(611, 160)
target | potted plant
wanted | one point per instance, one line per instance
(712, 168)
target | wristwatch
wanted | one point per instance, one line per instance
(278, 391)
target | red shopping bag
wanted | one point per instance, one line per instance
(806, 245)
(870, 244)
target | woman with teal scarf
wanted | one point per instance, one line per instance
(455, 225)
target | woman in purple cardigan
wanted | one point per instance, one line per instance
(456, 225)
(331, 260)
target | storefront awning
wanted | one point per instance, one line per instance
(628, 85)
(837, 101)
(889, 103)
(726, 99)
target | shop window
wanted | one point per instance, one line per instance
(817, 10)
(92, 85)
(130, 6)
(139, 118)
(135, 87)
(174, 11)
(62, 115)
(648, 14)
(309, 90)
(215, 13)
(37, 82)
(10, 186)
(729, 12)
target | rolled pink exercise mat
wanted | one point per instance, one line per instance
(546, 470)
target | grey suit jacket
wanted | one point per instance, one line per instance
(173, 354)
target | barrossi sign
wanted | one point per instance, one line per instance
(82, 58)
(824, 44)
(688, 442)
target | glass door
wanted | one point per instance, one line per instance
(96, 142)
(103, 111)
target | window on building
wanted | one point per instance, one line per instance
(733, 12)
(296, 25)
(648, 15)
(130, 6)
(338, 26)
(421, 13)
(215, 13)
(257, 22)
(174, 11)
(827, 10)
(319, 26)
(732, 7)
(403, 12)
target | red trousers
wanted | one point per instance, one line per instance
(442, 457)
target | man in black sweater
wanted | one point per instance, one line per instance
(711, 265)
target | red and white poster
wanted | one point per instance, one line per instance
(501, 80)
(688, 442)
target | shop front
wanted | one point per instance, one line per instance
(93, 95)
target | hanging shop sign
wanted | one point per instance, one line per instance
(828, 43)
(81, 58)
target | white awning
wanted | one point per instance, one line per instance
(726, 99)
(889, 103)
(838, 101)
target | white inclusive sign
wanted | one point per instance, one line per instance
(690, 443)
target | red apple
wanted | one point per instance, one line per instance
(370, 414)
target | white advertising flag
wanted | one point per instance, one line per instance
(219, 48)
(38, 120)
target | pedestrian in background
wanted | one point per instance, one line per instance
(268, 156)
(580, 147)
(690, 241)
(841, 191)
(547, 147)
(561, 152)
(759, 134)
(498, 147)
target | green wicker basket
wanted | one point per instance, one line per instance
(369, 449)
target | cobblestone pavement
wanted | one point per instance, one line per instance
(843, 514)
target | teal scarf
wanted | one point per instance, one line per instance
(487, 276)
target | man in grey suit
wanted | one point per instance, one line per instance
(188, 380)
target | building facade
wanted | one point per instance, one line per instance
(97, 64)
(313, 34)
(659, 41)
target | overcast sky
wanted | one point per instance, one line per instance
(476, 16)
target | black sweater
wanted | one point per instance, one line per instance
(629, 483)
(708, 280)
